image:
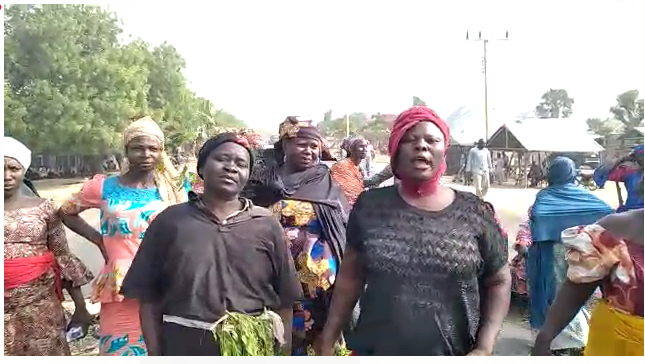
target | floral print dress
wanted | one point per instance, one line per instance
(125, 214)
(34, 318)
(316, 266)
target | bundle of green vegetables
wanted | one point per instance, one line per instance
(243, 335)
(339, 350)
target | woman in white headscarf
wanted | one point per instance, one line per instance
(148, 183)
(37, 265)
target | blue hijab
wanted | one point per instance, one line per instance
(563, 204)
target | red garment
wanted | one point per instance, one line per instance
(20, 271)
(404, 122)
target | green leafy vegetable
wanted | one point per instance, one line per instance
(243, 335)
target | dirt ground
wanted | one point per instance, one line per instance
(511, 204)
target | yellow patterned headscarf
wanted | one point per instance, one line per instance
(297, 126)
(165, 175)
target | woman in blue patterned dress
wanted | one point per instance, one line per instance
(313, 211)
(127, 203)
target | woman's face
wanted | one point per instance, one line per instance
(301, 153)
(143, 153)
(358, 149)
(14, 173)
(421, 152)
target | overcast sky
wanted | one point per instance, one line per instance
(264, 60)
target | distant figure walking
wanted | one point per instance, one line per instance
(479, 165)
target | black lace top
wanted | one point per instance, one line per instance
(424, 271)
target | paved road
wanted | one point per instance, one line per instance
(511, 205)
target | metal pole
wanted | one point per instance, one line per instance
(486, 87)
(347, 125)
(485, 71)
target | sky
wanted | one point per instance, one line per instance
(264, 60)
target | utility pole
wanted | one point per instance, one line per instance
(485, 71)
(347, 125)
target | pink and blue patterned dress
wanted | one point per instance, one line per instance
(125, 214)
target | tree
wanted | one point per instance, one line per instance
(71, 87)
(337, 128)
(328, 116)
(555, 103)
(628, 109)
(602, 127)
(416, 101)
(64, 66)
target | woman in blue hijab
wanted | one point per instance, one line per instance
(561, 205)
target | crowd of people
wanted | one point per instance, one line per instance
(303, 259)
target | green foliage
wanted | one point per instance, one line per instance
(71, 87)
(628, 109)
(602, 127)
(243, 335)
(555, 103)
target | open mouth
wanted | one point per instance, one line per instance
(421, 162)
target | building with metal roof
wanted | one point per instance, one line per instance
(544, 135)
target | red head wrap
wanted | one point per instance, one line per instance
(404, 122)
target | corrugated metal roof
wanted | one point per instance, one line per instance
(468, 124)
(549, 135)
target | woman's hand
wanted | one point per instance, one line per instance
(82, 319)
(101, 247)
(522, 250)
(479, 352)
(541, 349)
(323, 348)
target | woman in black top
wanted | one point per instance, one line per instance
(214, 254)
(428, 263)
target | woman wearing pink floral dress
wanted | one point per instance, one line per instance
(127, 203)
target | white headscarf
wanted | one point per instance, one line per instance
(18, 151)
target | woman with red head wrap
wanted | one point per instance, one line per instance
(428, 263)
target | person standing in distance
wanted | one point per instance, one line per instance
(479, 165)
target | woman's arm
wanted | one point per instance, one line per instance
(88, 197)
(571, 297)
(78, 225)
(494, 308)
(151, 319)
(379, 178)
(349, 285)
(348, 288)
(74, 273)
(81, 316)
(496, 292)
(144, 280)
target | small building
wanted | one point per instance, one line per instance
(538, 140)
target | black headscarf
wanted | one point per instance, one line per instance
(313, 185)
(214, 142)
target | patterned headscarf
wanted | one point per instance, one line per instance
(348, 143)
(298, 127)
(165, 175)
